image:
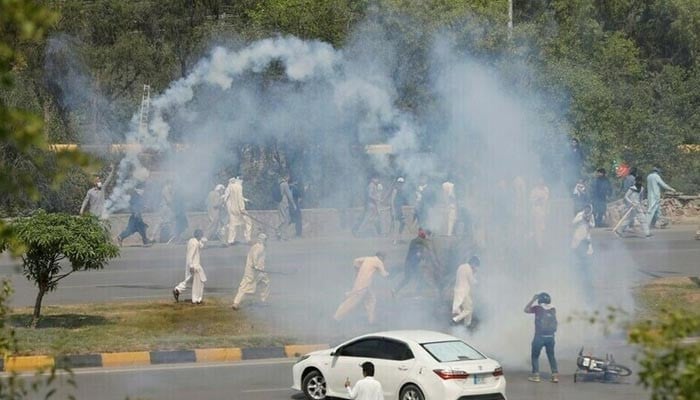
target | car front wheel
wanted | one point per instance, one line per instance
(411, 392)
(314, 386)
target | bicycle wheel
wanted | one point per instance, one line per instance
(619, 370)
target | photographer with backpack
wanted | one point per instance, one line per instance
(545, 327)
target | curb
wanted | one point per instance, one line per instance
(127, 359)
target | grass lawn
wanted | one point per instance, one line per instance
(673, 294)
(165, 325)
(137, 326)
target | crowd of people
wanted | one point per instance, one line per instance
(436, 209)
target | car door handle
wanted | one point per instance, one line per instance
(403, 368)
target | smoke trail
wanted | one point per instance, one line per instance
(356, 101)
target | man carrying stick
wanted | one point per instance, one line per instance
(254, 274)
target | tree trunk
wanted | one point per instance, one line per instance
(37, 307)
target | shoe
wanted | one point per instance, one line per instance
(534, 378)
(176, 295)
(555, 378)
(617, 233)
(235, 307)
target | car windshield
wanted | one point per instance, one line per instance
(450, 351)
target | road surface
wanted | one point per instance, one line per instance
(271, 380)
(150, 273)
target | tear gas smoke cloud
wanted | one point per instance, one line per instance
(222, 100)
(487, 133)
(71, 83)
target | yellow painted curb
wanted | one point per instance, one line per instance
(126, 359)
(28, 363)
(215, 355)
(298, 350)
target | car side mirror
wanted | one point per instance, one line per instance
(332, 353)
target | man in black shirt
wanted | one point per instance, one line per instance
(601, 190)
(135, 224)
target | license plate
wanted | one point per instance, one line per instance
(479, 379)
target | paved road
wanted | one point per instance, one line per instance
(150, 273)
(271, 379)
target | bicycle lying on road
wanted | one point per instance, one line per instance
(594, 368)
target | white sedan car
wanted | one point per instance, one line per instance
(410, 365)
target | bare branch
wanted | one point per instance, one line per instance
(59, 277)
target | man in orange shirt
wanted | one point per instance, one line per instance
(362, 289)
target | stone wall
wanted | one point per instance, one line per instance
(316, 222)
(336, 222)
(680, 209)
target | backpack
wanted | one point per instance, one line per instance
(547, 322)
(276, 193)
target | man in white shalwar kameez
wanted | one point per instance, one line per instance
(635, 211)
(193, 270)
(654, 186)
(450, 203)
(215, 205)
(462, 303)
(539, 201)
(582, 247)
(237, 215)
(254, 274)
(583, 222)
(362, 289)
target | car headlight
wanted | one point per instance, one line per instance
(302, 358)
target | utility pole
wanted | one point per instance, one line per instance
(510, 19)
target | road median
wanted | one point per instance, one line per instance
(142, 358)
(132, 334)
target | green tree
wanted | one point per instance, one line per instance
(24, 155)
(327, 20)
(52, 240)
(670, 365)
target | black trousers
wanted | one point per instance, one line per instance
(135, 225)
(409, 273)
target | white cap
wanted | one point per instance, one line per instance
(400, 179)
(219, 187)
(262, 236)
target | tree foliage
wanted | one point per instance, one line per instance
(23, 142)
(670, 364)
(53, 240)
(623, 74)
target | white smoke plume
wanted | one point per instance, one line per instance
(489, 133)
(340, 95)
